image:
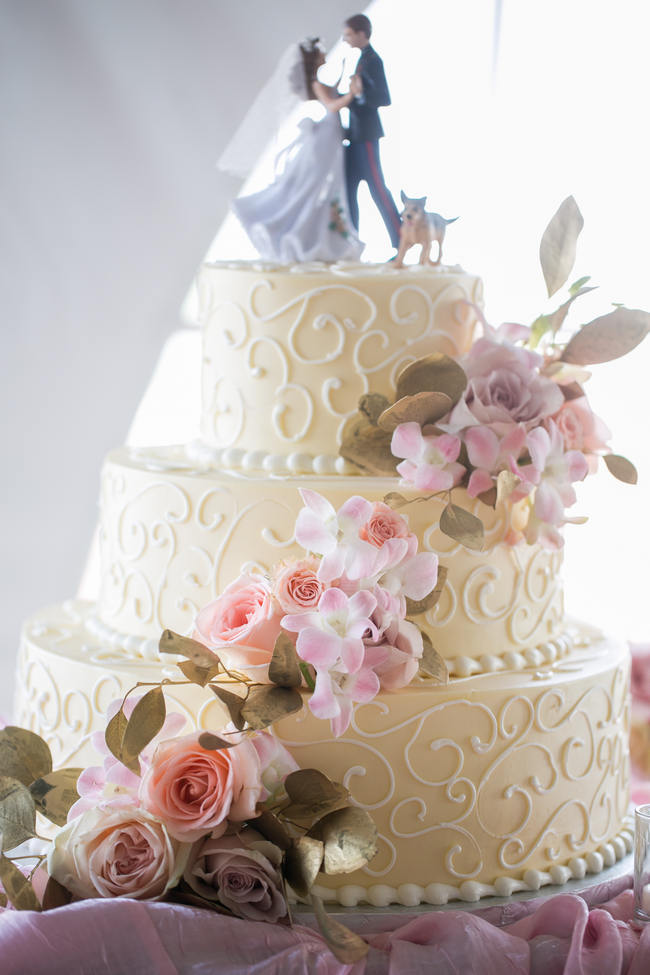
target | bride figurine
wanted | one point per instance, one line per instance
(303, 215)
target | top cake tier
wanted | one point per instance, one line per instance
(288, 351)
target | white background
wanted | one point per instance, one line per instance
(113, 114)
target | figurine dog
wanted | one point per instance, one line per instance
(420, 227)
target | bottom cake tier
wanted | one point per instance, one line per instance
(491, 784)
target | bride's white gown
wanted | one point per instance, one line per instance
(303, 215)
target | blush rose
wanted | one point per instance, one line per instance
(240, 872)
(384, 523)
(297, 587)
(117, 852)
(243, 623)
(196, 791)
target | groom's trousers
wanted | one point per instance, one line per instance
(362, 163)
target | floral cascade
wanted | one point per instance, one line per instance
(226, 819)
(509, 421)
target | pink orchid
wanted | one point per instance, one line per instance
(332, 637)
(552, 471)
(336, 535)
(335, 695)
(430, 461)
(112, 784)
(490, 454)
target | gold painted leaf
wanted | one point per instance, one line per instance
(213, 743)
(17, 887)
(55, 793)
(414, 607)
(272, 829)
(368, 447)
(463, 527)
(608, 337)
(372, 405)
(114, 738)
(395, 500)
(267, 704)
(349, 838)
(622, 468)
(557, 250)
(284, 668)
(55, 895)
(437, 373)
(311, 786)
(146, 721)
(23, 755)
(199, 654)
(346, 946)
(233, 703)
(302, 863)
(423, 408)
(17, 813)
(198, 675)
(433, 663)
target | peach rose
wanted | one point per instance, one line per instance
(240, 872)
(245, 620)
(196, 791)
(123, 852)
(297, 587)
(384, 523)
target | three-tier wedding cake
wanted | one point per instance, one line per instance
(510, 774)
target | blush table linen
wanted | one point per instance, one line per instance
(558, 934)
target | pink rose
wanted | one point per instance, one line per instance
(297, 587)
(245, 618)
(196, 791)
(581, 429)
(384, 523)
(123, 852)
(240, 872)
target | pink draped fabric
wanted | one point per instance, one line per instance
(560, 934)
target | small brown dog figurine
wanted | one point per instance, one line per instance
(420, 227)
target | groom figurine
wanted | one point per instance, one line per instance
(362, 154)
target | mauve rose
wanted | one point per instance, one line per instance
(504, 388)
(384, 523)
(123, 852)
(296, 586)
(240, 872)
(244, 619)
(196, 791)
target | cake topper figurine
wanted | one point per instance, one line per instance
(303, 214)
(420, 227)
(370, 90)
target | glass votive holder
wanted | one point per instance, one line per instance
(642, 865)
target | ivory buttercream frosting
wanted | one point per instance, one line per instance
(511, 775)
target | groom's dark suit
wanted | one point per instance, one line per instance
(362, 154)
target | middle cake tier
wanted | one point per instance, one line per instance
(173, 537)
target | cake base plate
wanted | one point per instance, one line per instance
(613, 880)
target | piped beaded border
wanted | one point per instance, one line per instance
(470, 891)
